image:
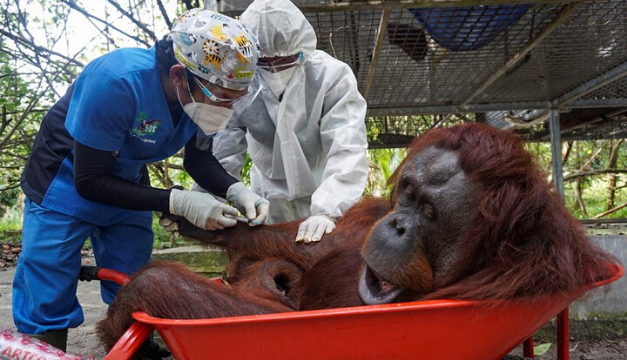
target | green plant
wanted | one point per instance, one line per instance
(541, 349)
(246, 170)
(382, 163)
(11, 225)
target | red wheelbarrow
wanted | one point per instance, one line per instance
(437, 329)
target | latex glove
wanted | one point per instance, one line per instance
(252, 205)
(314, 228)
(202, 210)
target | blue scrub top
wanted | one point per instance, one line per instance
(117, 105)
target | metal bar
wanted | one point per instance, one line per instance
(445, 109)
(603, 221)
(566, 11)
(556, 151)
(236, 7)
(590, 86)
(528, 348)
(595, 120)
(597, 103)
(385, 17)
(405, 142)
(589, 122)
(563, 336)
(613, 135)
(529, 105)
(394, 145)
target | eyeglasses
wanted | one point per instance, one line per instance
(280, 64)
(216, 99)
(243, 101)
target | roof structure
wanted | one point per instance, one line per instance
(492, 61)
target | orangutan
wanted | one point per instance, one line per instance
(470, 216)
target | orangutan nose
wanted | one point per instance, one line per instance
(401, 223)
(390, 240)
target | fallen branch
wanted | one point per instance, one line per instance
(594, 173)
(610, 211)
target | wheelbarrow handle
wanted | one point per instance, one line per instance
(89, 273)
(137, 333)
(130, 341)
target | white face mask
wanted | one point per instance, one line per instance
(209, 118)
(277, 81)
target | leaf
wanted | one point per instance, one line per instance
(541, 349)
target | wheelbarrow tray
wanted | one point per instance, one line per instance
(438, 329)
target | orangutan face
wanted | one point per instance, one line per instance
(419, 239)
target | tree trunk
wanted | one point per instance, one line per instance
(167, 182)
(612, 178)
(610, 211)
(580, 202)
(569, 148)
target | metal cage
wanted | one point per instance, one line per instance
(483, 57)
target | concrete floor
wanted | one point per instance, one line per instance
(81, 340)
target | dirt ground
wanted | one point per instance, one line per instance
(589, 350)
(83, 340)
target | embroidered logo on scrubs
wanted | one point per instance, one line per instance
(145, 127)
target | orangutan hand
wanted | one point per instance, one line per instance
(168, 225)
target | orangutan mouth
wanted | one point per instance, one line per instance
(374, 290)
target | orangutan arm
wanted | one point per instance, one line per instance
(275, 241)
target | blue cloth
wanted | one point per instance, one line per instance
(469, 27)
(44, 289)
(117, 105)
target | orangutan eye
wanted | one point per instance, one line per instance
(428, 211)
(409, 193)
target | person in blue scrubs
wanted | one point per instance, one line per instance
(87, 176)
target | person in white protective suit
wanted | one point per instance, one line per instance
(305, 132)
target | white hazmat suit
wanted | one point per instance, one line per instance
(308, 144)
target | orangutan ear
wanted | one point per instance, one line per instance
(178, 75)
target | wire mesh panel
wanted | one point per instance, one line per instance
(452, 56)
(448, 53)
(615, 128)
(614, 90)
(430, 56)
(348, 36)
(589, 42)
(576, 124)
(459, 66)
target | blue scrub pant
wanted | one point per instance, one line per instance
(46, 277)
